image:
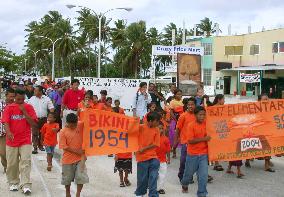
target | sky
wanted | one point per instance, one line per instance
(16, 14)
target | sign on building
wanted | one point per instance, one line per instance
(250, 78)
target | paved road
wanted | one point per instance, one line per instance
(103, 183)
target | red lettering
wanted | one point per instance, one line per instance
(100, 121)
(106, 121)
(120, 122)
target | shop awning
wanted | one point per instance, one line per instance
(248, 68)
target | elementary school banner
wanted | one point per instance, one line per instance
(245, 130)
(109, 133)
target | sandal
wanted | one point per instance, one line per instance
(270, 170)
(161, 191)
(247, 164)
(122, 184)
(240, 176)
(210, 179)
(127, 182)
(218, 168)
(184, 189)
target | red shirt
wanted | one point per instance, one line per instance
(164, 148)
(124, 155)
(49, 136)
(72, 98)
(19, 126)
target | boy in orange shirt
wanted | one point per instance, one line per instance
(197, 153)
(146, 157)
(186, 118)
(73, 159)
(163, 153)
(49, 137)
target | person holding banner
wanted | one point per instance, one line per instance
(73, 159)
(176, 106)
(219, 100)
(141, 101)
(197, 153)
(108, 103)
(117, 108)
(85, 104)
(147, 160)
(71, 99)
(185, 119)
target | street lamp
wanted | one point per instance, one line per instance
(35, 52)
(53, 48)
(100, 29)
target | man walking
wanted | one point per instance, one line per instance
(18, 118)
(10, 97)
(71, 99)
(41, 104)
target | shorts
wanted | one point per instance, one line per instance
(50, 149)
(73, 172)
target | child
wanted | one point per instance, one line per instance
(146, 157)
(73, 159)
(197, 153)
(123, 161)
(176, 106)
(49, 137)
(84, 104)
(152, 108)
(108, 103)
(163, 153)
(238, 164)
(117, 108)
(185, 119)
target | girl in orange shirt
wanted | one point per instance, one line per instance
(107, 106)
(123, 161)
(152, 108)
(87, 103)
(176, 106)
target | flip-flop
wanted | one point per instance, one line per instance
(127, 183)
(270, 170)
(230, 172)
(218, 168)
(122, 184)
(240, 176)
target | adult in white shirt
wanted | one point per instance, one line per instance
(141, 101)
(172, 87)
(42, 105)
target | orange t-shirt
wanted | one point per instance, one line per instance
(183, 121)
(168, 114)
(124, 155)
(82, 108)
(166, 124)
(164, 148)
(176, 106)
(99, 106)
(49, 136)
(146, 137)
(107, 108)
(196, 130)
(71, 138)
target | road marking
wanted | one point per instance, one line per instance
(41, 178)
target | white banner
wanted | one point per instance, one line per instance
(172, 50)
(61, 79)
(122, 89)
(250, 78)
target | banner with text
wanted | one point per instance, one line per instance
(245, 130)
(122, 89)
(250, 78)
(109, 133)
(173, 50)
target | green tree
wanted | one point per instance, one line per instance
(206, 27)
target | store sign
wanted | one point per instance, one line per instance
(172, 50)
(250, 78)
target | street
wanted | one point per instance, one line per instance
(104, 183)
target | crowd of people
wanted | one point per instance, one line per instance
(33, 115)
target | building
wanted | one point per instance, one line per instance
(259, 54)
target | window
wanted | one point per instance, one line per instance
(275, 47)
(281, 47)
(254, 49)
(233, 50)
(207, 73)
(192, 45)
(278, 47)
(223, 65)
(207, 48)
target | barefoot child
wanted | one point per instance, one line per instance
(147, 162)
(49, 137)
(238, 164)
(163, 153)
(123, 161)
(73, 159)
(197, 153)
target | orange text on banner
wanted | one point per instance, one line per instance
(245, 130)
(109, 133)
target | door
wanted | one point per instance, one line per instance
(227, 84)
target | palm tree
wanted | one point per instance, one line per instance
(206, 27)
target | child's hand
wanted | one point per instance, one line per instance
(207, 138)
